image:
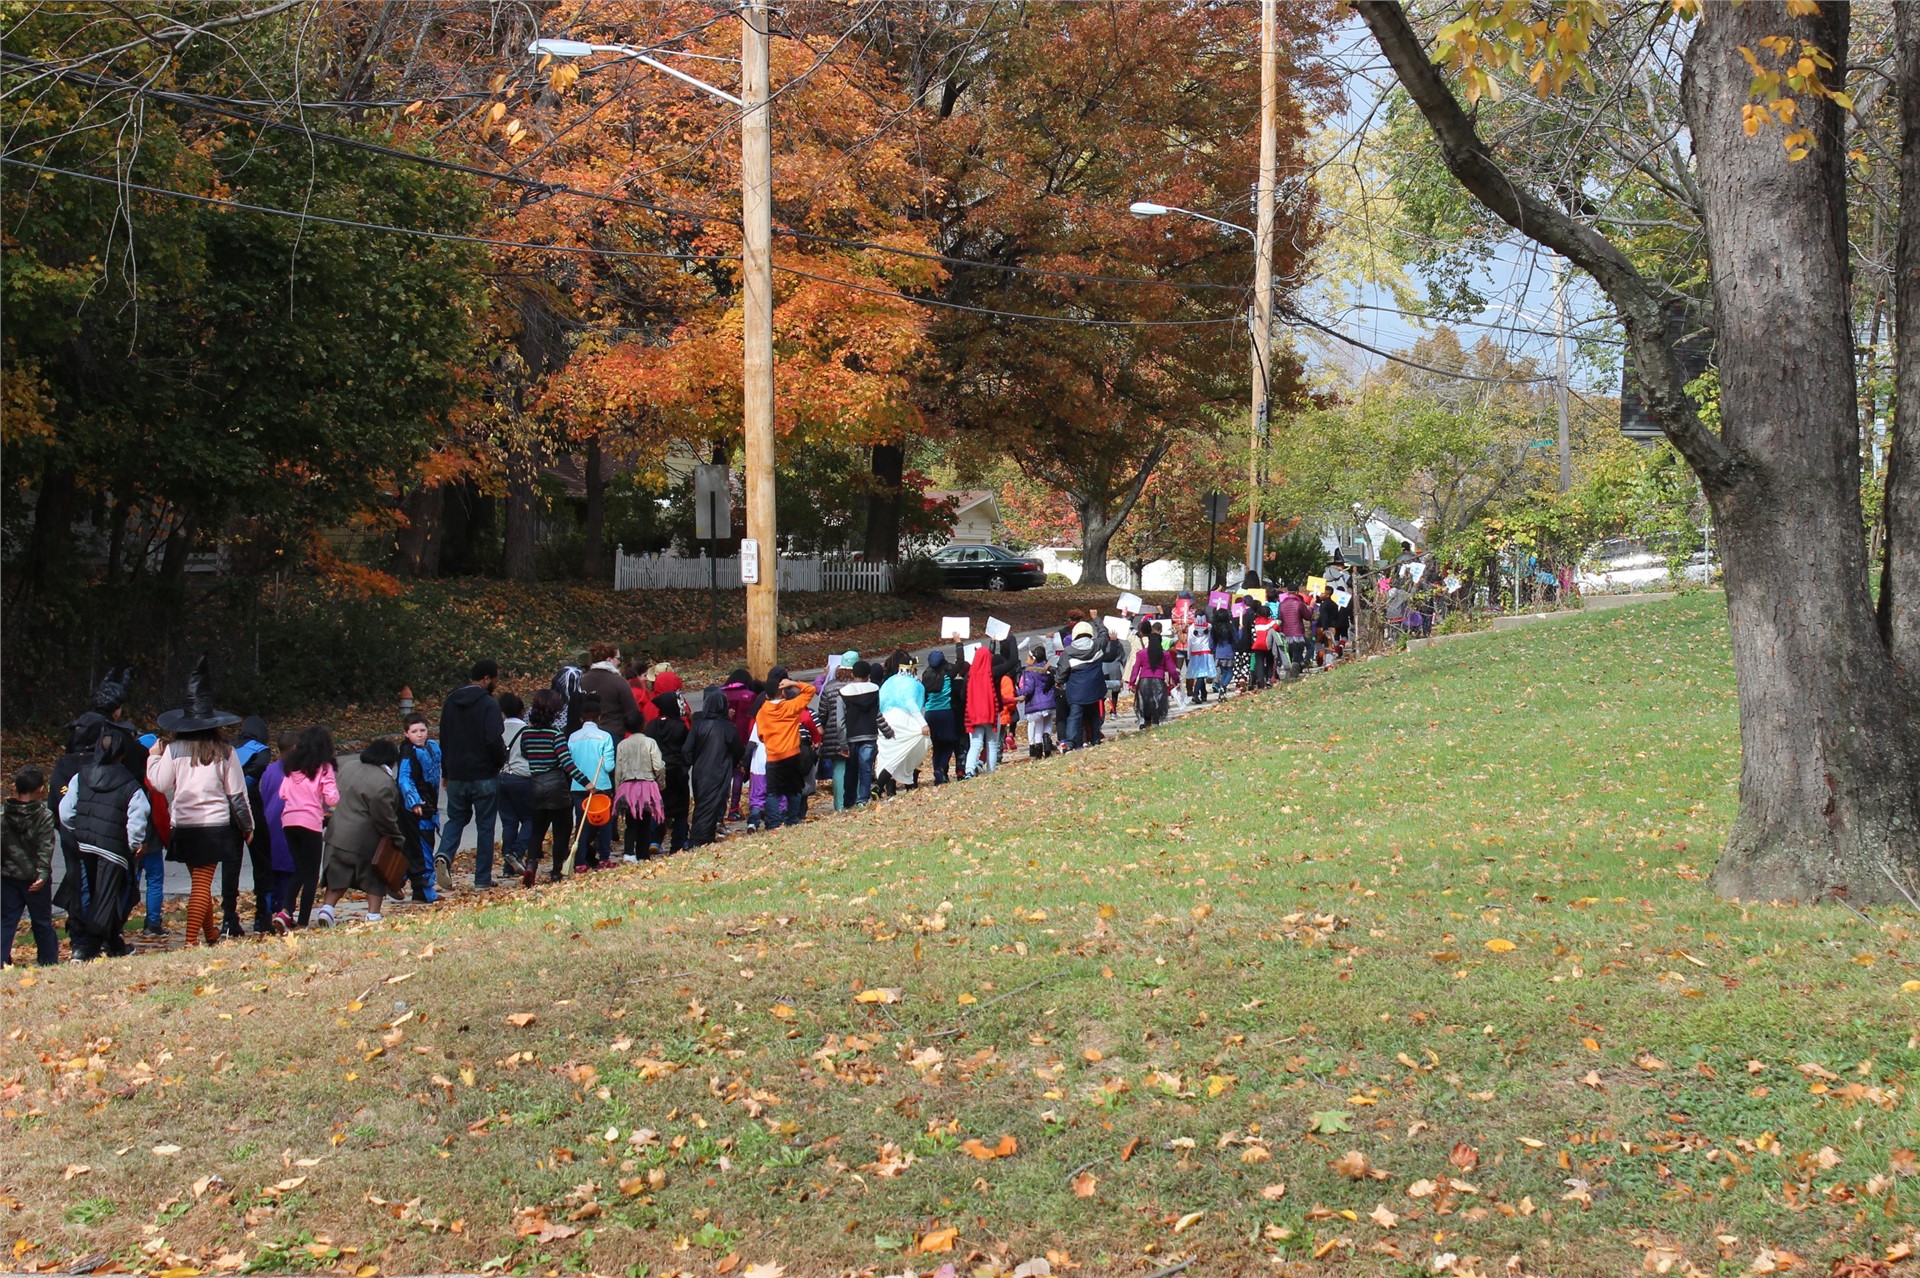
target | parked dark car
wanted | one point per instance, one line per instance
(987, 568)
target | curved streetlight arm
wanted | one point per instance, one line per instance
(1142, 208)
(580, 49)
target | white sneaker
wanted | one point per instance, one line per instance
(630, 860)
(373, 918)
(323, 917)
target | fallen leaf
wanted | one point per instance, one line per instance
(1500, 945)
(520, 1020)
(1421, 1189)
(1383, 1217)
(1464, 1156)
(985, 1153)
(766, 1269)
(1127, 1153)
(1328, 1121)
(1187, 1221)
(937, 1239)
(1776, 1262)
(1275, 1192)
(1353, 1165)
(1085, 1185)
(878, 995)
(166, 1151)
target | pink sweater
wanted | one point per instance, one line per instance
(308, 799)
(197, 794)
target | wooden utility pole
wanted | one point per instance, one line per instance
(756, 252)
(1560, 366)
(1262, 280)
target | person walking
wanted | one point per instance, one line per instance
(638, 770)
(1152, 676)
(254, 755)
(670, 733)
(1200, 668)
(550, 777)
(1296, 619)
(983, 713)
(108, 708)
(419, 777)
(473, 748)
(27, 839)
(1081, 674)
(859, 714)
(206, 795)
(788, 733)
(827, 713)
(1223, 653)
(272, 809)
(594, 763)
(943, 725)
(107, 808)
(510, 787)
(713, 761)
(603, 681)
(1036, 693)
(309, 792)
(743, 698)
(369, 814)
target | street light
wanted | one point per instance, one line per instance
(757, 556)
(1262, 324)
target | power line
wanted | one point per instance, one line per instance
(547, 189)
(1300, 317)
(352, 224)
(592, 251)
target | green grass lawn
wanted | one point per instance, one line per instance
(1414, 961)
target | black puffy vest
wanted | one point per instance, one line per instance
(100, 819)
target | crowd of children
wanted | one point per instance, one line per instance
(612, 754)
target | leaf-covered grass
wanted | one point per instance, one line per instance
(1425, 941)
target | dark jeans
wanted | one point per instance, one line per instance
(475, 801)
(558, 820)
(860, 772)
(786, 792)
(15, 900)
(1083, 720)
(515, 795)
(946, 742)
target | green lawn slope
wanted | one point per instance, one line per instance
(1410, 968)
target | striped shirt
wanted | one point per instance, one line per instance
(545, 751)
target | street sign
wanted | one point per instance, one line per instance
(749, 561)
(1217, 506)
(712, 502)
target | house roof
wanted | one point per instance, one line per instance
(1405, 531)
(965, 499)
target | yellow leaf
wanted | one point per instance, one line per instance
(966, 999)
(1187, 1221)
(938, 1240)
(1910, 987)
(878, 995)
(781, 1012)
(520, 1020)
(1500, 945)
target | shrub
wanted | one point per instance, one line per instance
(918, 575)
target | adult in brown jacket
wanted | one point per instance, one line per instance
(603, 680)
(369, 813)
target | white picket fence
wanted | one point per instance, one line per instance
(669, 572)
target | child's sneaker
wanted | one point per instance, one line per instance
(282, 923)
(374, 918)
(323, 917)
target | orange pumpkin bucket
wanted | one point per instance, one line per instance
(599, 808)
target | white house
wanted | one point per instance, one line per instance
(1365, 540)
(976, 514)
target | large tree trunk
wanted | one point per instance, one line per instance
(596, 481)
(1830, 767)
(1900, 570)
(1097, 528)
(417, 546)
(518, 562)
(883, 504)
(1830, 779)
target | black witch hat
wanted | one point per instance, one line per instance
(112, 692)
(198, 715)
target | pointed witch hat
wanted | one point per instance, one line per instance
(112, 692)
(198, 715)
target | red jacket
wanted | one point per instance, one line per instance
(983, 691)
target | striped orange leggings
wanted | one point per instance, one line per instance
(200, 920)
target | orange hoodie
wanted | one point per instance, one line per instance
(779, 723)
